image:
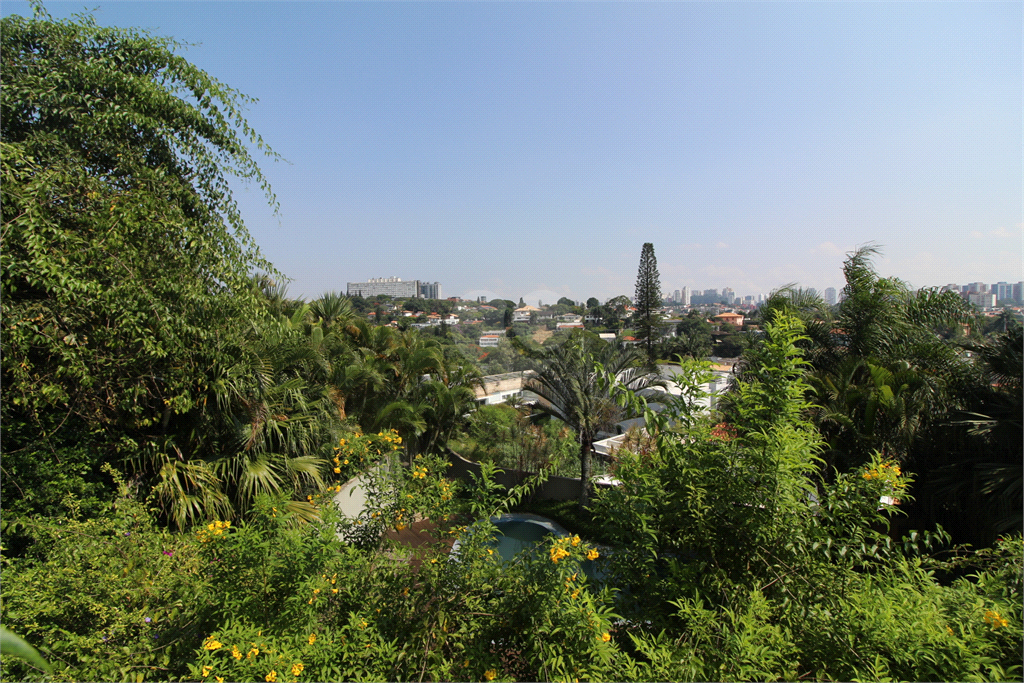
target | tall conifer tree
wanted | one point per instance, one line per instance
(647, 300)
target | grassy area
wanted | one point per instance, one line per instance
(567, 513)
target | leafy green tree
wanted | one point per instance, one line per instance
(742, 563)
(693, 336)
(569, 383)
(592, 303)
(647, 300)
(127, 269)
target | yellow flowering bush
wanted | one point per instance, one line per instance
(212, 531)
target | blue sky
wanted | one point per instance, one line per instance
(530, 149)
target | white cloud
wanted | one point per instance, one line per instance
(1003, 232)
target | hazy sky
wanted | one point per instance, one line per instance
(530, 149)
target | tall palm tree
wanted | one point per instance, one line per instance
(568, 381)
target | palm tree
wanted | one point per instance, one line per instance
(269, 428)
(568, 381)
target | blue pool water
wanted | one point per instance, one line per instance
(517, 534)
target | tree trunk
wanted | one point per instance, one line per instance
(586, 467)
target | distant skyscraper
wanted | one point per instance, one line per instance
(728, 295)
(676, 297)
(830, 296)
(685, 296)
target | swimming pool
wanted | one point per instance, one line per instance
(522, 532)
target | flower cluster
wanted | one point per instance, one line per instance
(560, 549)
(419, 472)
(558, 552)
(400, 520)
(212, 531)
(885, 471)
(888, 474)
(995, 620)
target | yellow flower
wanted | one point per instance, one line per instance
(235, 652)
(271, 677)
(557, 553)
(312, 638)
(575, 541)
(490, 674)
(252, 653)
(207, 670)
(220, 679)
(995, 619)
(334, 590)
(593, 554)
(212, 644)
(297, 668)
(316, 591)
(346, 461)
(605, 637)
(337, 470)
(575, 594)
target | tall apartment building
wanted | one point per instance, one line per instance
(729, 295)
(684, 296)
(676, 297)
(430, 290)
(830, 296)
(395, 287)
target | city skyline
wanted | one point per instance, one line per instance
(530, 149)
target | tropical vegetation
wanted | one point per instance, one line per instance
(178, 432)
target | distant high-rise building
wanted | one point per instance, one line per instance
(728, 295)
(1018, 292)
(977, 288)
(676, 297)
(395, 287)
(1002, 290)
(430, 290)
(684, 294)
(830, 296)
(982, 299)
